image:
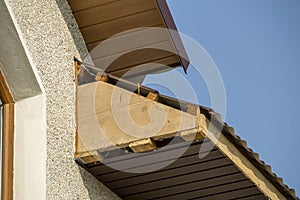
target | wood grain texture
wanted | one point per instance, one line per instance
(109, 115)
(7, 140)
(8, 152)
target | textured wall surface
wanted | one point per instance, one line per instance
(48, 32)
(18, 69)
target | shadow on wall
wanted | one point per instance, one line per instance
(96, 190)
(73, 27)
(93, 185)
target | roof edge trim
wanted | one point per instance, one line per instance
(170, 24)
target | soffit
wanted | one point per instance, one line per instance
(189, 177)
(123, 157)
(99, 20)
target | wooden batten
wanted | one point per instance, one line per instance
(201, 131)
(143, 145)
(89, 157)
(191, 135)
(102, 77)
(98, 128)
(153, 96)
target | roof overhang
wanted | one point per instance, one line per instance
(123, 26)
(229, 169)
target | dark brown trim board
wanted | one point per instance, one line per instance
(170, 24)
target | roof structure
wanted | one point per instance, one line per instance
(119, 31)
(230, 170)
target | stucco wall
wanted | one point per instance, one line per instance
(13, 60)
(44, 28)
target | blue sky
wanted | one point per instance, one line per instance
(256, 47)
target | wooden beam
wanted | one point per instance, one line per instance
(102, 77)
(191, 109)
(201, 131)
(109, 116)
(89, 157)
(193, 134)
(153, 96)
(143, 145)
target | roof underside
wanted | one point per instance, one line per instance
(99, 20)
(189, 177)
